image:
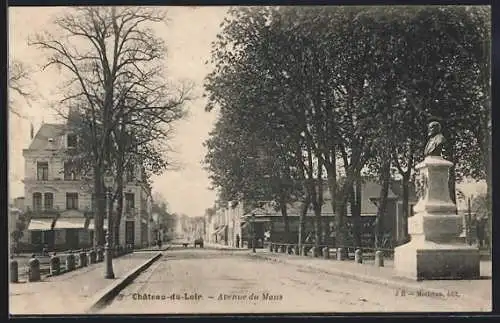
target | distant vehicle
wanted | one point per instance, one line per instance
(198, 242)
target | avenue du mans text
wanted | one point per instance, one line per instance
(197, 297)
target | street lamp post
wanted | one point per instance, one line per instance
(468, 222)
(253, 232)
(107, 248)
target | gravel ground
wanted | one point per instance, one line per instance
(217, 281)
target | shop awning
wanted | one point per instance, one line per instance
(91, 224)
(40, 224)
(70, 223)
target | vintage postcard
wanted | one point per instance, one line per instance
(249, 160)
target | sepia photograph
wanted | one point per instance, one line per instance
(249, 159)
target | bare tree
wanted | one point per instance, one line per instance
(114, 61)
(19, 85)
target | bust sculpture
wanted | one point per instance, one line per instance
(436, 143)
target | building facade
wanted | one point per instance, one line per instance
(60, 204)
(224, 227)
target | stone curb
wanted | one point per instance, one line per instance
(152, 249)
(407, 286)
(110, 292)
(223, 247)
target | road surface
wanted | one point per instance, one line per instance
(221, 281)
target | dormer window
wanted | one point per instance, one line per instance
(72, 140)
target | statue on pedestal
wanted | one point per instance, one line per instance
(436, 144)
(435, 250)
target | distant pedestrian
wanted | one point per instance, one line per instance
(237, 241)
(159, 243)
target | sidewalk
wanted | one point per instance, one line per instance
(71, 292)
(479, 291)
(222, 247)
(153, 248)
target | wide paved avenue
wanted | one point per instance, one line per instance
(224, 281)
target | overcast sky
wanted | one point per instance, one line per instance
(189, 32)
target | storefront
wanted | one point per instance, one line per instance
(71, 234)
(41, 235)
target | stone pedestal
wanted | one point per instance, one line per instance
(435, 250)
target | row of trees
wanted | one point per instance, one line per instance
(308, 95)
(116, 97)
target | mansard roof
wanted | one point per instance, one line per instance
(41, 141)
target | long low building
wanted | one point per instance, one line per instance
(268, 223)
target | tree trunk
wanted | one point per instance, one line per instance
(331, 175)
(406, 206)
(119, 197)
(340, 214)
(341, 210)
(318, 204)
(119, 209)
(100, 208)
(382, 207)
(317, 225)
(355, 203)
(120, 170)
(303, 212)
(284, 213)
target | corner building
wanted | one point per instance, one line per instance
(60, 203)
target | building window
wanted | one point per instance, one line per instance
(49, 201)
(72, 140)
(130, 173)
(37, 201)
(42, 171)
(72, 201)
(129, 201)
(69, 172)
